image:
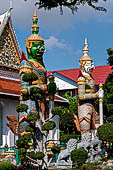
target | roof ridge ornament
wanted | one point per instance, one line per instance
(10, 6)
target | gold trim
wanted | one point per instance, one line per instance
(89, 90)
(81, 97)
(84, 118)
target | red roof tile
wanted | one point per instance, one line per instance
(99, 74)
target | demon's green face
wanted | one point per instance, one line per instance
(37, 50)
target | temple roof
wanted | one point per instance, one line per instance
(99, 74)
(10, 52)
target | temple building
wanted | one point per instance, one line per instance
(10, 54)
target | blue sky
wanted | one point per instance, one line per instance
(64, 35)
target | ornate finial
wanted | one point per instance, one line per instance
(10, 5)
(85, 50)
(35, 16)
(85, 57)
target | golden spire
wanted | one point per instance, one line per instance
(85, 50)
(85, 56)
(35, 16)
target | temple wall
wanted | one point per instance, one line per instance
(8, 108)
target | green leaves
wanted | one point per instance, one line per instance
(110, 58)
(79, 156)
(29, 77)
(36, 93)
(21, 108)
(50, 125)
(33, 117)
(71, 4)
(55, 149)
(105, 132)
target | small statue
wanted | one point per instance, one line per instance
(86, 95)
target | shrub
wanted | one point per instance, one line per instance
(55, 149)
(33, 116)
(79, 156)
(21, 143)
(21, 108)
(110, 119)
(29, 129)
(35, 93)
(50, 125)
(29, 77)
(39, 155)
(105, 132)
(6, 166)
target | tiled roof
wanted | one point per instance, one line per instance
(99, 74)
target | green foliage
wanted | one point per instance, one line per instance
(71, 4)
(36, 93)
(31, 154)
(65, 138)
(55, 149)
(39, 155)
(23, 141)
(65, 114)
(50, 125)
(22, 154)
(110, 59)
(79, 156)
(88, 166)
(73, 102)
(6, 166)
(21, 108)
(105, 132)
(57, 110)
(108, 88)
(110, 119)
(36, 155)
(29, 77)
(29, 129)
(33, 117)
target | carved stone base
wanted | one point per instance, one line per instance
(62, 164)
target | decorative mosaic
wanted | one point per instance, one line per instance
(8, 53)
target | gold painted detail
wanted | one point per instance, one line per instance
(89, 90)
(81, 97)
(100, 100)
(84, 118)
(25, 69)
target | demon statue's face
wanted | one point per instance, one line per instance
(88, 67)
(37, 50)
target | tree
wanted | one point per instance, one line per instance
(108, 88)
(71, 4)
(33, 134)
(65, 117)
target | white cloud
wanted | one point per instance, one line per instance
(54, 42)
